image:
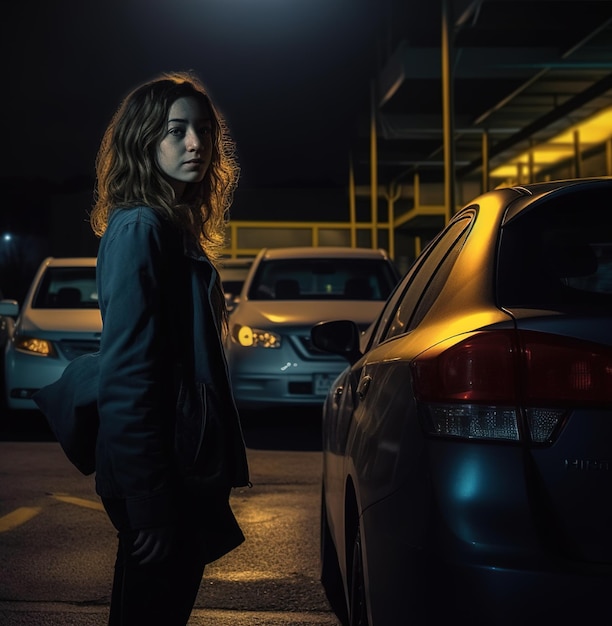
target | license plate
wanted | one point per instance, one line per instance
(322, 383)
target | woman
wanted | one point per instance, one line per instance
(170, 446)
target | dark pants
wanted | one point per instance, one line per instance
(158, 594)
(163, 594)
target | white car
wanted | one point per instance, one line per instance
(287, 291)
(58, 320)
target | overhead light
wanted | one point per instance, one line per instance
(591, 132)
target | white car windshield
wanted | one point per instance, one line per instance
(323, 279)
(67, 288)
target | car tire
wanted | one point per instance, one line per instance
(331, 576)
(358, 612)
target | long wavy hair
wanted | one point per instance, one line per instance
(127, 173)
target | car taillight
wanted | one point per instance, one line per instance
(507, 384)
(566, 372)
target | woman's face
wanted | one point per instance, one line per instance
(185, 151)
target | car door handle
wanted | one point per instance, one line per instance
(364, 385)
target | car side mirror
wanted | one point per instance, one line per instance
(10, 308)
(339, 337)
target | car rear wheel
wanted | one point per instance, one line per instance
(331, 577)
(358, 608)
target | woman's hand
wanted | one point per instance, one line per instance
(153, 545)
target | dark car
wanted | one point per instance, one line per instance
(8, 312)
(467, 472)
(7, 321)
(233, 273)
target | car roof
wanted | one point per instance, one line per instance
(325, 252)
(547, 186)
(532, 193)
(70, 261)
(241, 262)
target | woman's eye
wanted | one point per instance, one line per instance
(205, 131)
(176, 132)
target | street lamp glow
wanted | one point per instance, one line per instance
(7, 237)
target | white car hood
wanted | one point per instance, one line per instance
(61, 320)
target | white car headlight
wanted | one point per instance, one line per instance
(33, 345)
(255, 337)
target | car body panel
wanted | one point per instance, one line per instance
(295, 313)
(58, 322)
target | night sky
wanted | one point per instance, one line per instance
(289, 76)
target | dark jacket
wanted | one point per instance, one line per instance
(167, 414)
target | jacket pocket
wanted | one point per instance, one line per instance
(200, 442)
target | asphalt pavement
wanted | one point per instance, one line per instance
(48, 614)
(270, 580)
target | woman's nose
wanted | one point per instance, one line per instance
(192, 141)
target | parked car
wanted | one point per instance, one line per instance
(467, 447)
(233, 273)
(58, 321)
(272, 363)
(8, 310)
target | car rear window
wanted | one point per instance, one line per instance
(558, 254)
(323, 279)
(67, 288)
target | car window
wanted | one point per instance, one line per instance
(381, 322)
(323, 279)
(232, 286)
(429, 279)
(233, 273)
(67, 288)
(558, 254)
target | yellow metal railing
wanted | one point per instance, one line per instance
(246, 238)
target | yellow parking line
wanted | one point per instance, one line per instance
(17, 517)
(87, 504)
